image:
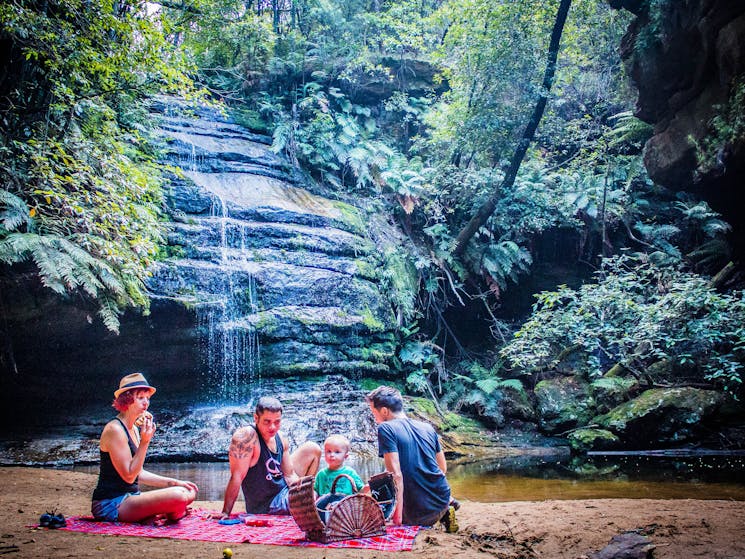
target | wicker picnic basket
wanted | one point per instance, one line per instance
(348, 516)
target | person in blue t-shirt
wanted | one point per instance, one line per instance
(412, 453)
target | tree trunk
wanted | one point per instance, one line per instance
(275, 15)
(485, 211)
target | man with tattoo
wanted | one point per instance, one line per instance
(262, 466)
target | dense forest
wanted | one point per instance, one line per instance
(517, 145)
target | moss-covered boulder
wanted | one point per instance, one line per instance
(583, 440)
(610, 391)
(563, 403)
(514, 403)
(661, 416)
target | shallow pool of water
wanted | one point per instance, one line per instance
(608, 477)
(532, 478)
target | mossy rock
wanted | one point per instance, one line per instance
(515, 404)
(583, 440)
(563, 403)
(662, 416)
(611, 391)
(459, 435)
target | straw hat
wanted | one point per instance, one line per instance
(135, 380)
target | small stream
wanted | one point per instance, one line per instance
(521, 478)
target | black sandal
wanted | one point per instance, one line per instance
(52, 520)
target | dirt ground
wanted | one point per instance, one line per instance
(555, 529)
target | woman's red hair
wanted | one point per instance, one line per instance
(125, 399)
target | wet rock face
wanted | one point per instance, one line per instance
(279, 276)
(562, 403)
(683, 57)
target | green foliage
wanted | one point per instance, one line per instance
(332, 137)
(629, 130)
(74, 145)
(481, 390)
(420, 359)
(637, 314)
(230, 46)
(651, 34)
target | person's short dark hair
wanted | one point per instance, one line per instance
(268, 403)
(386, 397)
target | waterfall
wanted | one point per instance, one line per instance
(254, 253)
(230, 342)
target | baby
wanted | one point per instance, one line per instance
(335, 452)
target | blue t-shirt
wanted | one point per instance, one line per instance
(426, 491)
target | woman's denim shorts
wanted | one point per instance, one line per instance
(108, 509)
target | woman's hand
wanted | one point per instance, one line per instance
(190, 485)
(147, 429)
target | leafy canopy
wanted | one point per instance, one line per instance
(76, 168)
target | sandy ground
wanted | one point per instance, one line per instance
(556, 529)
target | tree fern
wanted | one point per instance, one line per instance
(65, 267)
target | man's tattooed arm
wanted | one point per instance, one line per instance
(241, 450)
(242, 444)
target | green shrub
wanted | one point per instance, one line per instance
(638, 314)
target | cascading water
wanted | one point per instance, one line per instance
(231, 344)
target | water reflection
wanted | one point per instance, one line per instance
(534, 478)
(601, 477)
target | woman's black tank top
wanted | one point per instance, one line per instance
(110, 483)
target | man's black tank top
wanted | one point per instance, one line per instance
(110, 483)
(265, 479)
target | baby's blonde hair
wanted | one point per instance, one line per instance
(341, 440)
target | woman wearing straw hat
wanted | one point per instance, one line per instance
(123, 448)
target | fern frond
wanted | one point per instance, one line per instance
(109, 313)
(417, 380)
(716, 227)
(14, 213)
(488, 385)
(656, 233)
(513, 384)
(79, 271)
(711, 252)
(15, 248)
(111, 281)
(281, 136)
(629, 129)
(475, 398)
(49, 262)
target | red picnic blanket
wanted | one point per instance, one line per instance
(256, 528)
